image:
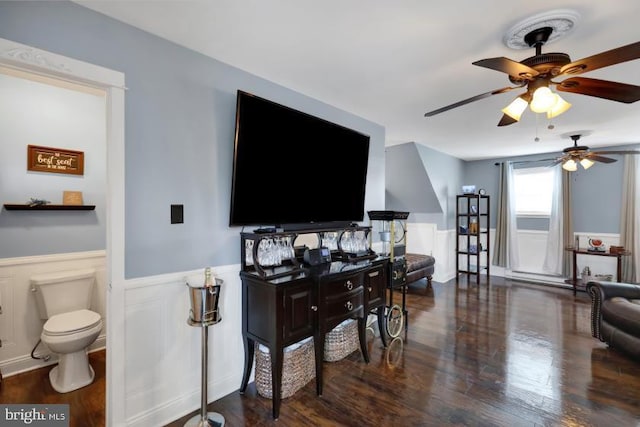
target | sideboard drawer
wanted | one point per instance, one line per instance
(346, 306)
(344, 285)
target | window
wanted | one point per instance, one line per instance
(533, 189)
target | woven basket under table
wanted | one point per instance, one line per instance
(298, 368)
(341, 341)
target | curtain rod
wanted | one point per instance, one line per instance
(525, 161)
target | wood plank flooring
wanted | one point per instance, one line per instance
(86, 405)
(507, 354)
(504, 354)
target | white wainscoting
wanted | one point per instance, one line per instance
(163, 353)
(20, 323)
(427, 239)
(441, 244)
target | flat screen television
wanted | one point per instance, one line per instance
(294, 170)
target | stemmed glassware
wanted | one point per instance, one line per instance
(355, 242)
(273, 250)
(330, 240)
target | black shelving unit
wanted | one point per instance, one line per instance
(472, 235)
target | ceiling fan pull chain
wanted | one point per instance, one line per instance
(551, 126)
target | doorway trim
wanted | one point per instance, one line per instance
(26, 58)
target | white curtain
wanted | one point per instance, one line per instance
(630, 219)
(553, 260)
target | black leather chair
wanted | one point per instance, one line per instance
(615, 315)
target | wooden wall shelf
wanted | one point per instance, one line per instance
(14, 207)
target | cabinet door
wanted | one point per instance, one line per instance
(299, 314)
(375, 284)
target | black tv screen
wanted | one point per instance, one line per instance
(291, 168)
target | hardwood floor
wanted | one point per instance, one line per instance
(86, 405)
(507, 354)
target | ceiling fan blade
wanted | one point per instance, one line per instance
(616, 152)
(601, 159)
(508, 66)
(469, 100)
(604, 59)
(506, 120)
(605, 89)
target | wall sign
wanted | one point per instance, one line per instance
(55, 160)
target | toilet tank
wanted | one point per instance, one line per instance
(63, 291)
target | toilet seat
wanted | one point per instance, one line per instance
(71, 322)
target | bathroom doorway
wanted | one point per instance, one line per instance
(87, 82)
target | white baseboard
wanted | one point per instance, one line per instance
(25, 363)
(183, 404)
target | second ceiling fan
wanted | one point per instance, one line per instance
(537, 75)
(580, 154)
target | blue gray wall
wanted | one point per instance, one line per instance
(180, 112)
(424, 182)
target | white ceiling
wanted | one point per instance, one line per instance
(392, 61)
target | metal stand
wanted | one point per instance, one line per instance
(204, 312)
(205, 418)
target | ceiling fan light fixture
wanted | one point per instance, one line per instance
(586, 163)
(543, 100)
(516, 108)
(558, 108)
(570, 165)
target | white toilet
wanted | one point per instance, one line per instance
(64, 299)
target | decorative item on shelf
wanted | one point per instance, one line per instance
(72, 198)
(463, 229)
(474, 209)
(468, 189)
(616, 249)
(596, 245)
(603, 277)
(37, 202)
(473, 226)
(473, 249)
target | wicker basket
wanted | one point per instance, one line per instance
(341, 341)
(298, 368)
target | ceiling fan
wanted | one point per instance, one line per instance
(537, 75)
(581, 154)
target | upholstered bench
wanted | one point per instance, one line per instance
(420, 266)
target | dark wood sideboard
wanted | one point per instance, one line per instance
(298, 302)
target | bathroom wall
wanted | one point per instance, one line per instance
(35, 111)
